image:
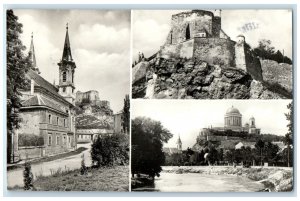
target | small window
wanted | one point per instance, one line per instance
(49, 118)
(64, 74)
(65, 139)
(64, 89)
(49, 139)
(57, 139)
(57, 120)
(65, 123)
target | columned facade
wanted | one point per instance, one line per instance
(233, 119)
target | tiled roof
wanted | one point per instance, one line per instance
(40, 81)
(40, 100)
(89, 121)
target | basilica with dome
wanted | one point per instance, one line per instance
(233, 120)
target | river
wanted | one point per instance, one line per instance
(195, 182)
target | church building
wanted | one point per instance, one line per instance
(233, 122)
(47, 112)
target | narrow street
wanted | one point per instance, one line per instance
(15, 177)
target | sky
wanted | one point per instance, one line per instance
(187, 117)
(151, 27)
(100, 45)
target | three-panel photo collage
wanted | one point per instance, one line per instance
(165, 100)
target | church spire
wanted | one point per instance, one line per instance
(67, 55)
(32, 56)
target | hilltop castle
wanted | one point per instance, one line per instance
(198, 34)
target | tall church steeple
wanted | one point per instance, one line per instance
(32, 56)
(66, 71)
(67, 55)
(179, 143)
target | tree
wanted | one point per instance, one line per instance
(126, 114)
(17, 66)
(109, 150)
(264, 49)
(288, 140)
(28, 177)
(147, 140)
(260, 145)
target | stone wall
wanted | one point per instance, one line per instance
(214, 51)
(193, 22)
(31, 122)
(30, 152)
(88, 97)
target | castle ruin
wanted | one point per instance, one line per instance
(198, 34)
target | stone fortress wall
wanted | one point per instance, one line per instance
(198, 34)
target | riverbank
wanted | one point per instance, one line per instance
(102, 179)
(275, 179)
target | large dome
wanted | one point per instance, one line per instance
(232, 110)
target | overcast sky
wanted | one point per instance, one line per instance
(100, 45)
(151, 27)
(187, 117)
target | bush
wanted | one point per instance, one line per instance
(110, 150)
(25, 140)
(28, 177)
(83, 168)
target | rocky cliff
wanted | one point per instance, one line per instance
(180, 78)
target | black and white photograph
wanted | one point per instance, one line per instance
(212, 54)
(68, 86)
(212, 146)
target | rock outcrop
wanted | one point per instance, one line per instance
(179, 78)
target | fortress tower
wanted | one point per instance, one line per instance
(198, 34)
(66, 72)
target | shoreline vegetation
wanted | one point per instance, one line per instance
(113, 178)
(275, 179)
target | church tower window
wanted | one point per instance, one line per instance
(64, 74)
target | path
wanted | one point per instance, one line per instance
(15, 177)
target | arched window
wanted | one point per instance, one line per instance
(187, 32)
(64, 74)
(49, 118)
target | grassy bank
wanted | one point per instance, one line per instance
(102, 179)
(274, 178)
